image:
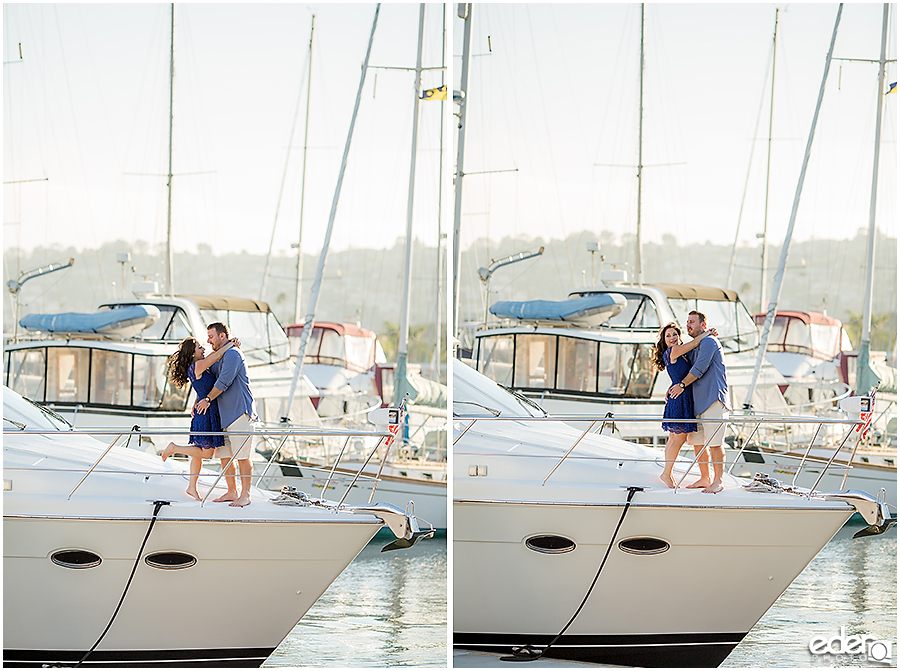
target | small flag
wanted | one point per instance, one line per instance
(394, 428)
(892, 88)
(440, 93)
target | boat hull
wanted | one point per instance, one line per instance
(170, 617)
(645, 610)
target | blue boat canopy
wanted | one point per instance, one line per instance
(593, 309)
(124, 321)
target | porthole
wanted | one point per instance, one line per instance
(75, 559)
(170, 560)
(643, 546)
(550, 544)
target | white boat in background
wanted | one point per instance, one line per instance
(571, 368)
(107, 380)
(75, 512)
(541, 509)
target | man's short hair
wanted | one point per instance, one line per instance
(220, 328)
(700, 316)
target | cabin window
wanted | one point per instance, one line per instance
(535, 364)
(737, 330)
(360, 352)
(151, 387)
(171, 325)
(643, 374)
(639, 312)
(312, 346)
(332, 349)
(577, 365)
(67, 374)
(615, 366)
(110, 378)
(495, 358)
(26, 371)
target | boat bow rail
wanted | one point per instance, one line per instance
(873, 509)
(404, 524)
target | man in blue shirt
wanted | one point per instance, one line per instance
(237, 412)
(710, 387)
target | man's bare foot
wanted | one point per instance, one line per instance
(244, 500)
(192, 493)
(227, 496)
(668, 480)
(169, 451)
(714, 488)
(702, 482)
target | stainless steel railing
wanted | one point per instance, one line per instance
(758, 424)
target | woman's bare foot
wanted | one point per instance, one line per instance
(227, 496)
(192, 493)
(702, 482)
(244, 500)
(714, 488)
(169, 451)
(668, 480)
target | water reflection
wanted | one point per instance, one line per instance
(385, 609)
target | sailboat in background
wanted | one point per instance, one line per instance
(413, 468)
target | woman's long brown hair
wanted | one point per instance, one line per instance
(660, 347)
(177, 365)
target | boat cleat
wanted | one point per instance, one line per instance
(404, 524)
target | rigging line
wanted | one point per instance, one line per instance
(68, 89)
(287, 160)
(553, 170)
(737, 231)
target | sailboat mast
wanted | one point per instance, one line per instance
(170, 280)
(786, 247)
(323, 255)
(865, 377)
(439, 283)
(460, 153)
(403, 341)
(638, 266)
(765, 247)
(312, 31)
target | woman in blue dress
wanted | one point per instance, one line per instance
(189, 364)
(668, 355)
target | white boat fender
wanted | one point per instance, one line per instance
(528, 653)
(157, 505)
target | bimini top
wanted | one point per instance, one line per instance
(805, 317)
(228, 303)
(124, 321)
(594, 309)
(295, 330)
(700, 293)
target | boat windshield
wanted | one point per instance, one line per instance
(737, 330)
(263, 340)
(476, 396)
(21, 413)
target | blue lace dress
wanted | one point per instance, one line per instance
(208, 421)
(683, 406)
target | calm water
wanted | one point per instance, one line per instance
(385, 609)
(850, 584)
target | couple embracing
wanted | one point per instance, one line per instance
(699, 391)
(223, 400)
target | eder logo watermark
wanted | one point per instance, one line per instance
(871, 647)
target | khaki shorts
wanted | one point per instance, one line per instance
(244, 443)
(715, 429)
